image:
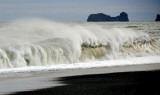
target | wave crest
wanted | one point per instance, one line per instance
(41, 42)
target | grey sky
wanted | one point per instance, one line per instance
(77, 10)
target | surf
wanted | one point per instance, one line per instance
(37, 42)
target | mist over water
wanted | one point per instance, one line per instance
(37, 42)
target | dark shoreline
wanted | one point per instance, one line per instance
(122, 83)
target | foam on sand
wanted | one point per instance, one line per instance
(96, 64)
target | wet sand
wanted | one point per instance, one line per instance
(127, 83)
(122, 80)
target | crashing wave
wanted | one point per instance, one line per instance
(40, 42)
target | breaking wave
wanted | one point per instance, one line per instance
(42, 42)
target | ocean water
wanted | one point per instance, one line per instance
(37, 42)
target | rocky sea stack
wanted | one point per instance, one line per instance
(158, 17)
(100, 17)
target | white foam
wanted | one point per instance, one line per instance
(96, 64)
(42, 42)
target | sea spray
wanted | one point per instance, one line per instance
(42, 42)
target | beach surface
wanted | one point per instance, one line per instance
(116, 80)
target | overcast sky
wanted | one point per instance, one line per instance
(77, 10)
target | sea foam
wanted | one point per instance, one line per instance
(37, 42)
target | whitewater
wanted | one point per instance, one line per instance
(37, 44)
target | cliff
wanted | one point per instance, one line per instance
(158, 17)
(100, 17)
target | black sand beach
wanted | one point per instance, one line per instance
(127, 83)
(145, 82)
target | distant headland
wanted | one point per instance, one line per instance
(158, 17)
(100, 17)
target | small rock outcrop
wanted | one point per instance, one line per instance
(158, 17)
(100, 17)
